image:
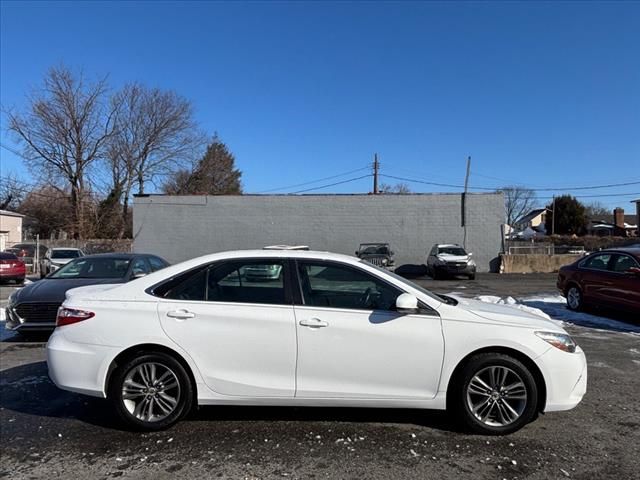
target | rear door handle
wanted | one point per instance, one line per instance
(180, 314)
(314, 323)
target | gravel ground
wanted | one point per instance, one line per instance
(45, 432)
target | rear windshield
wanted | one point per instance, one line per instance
(65, 254)
(7, 256)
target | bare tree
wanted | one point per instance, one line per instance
(597, 210)
(518, 202)
(398, 188)
(156, 134)
(11, 193)
(215, 173)
(64, 132)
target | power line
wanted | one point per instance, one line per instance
(592, 187)
(314, 181)
(332, 184)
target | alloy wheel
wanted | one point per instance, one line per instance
(151, 391)
(497, 396)
(573, 298)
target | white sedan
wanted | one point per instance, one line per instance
(330, 330)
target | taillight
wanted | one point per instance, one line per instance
(67, 316)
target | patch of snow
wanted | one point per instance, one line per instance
(554, 307)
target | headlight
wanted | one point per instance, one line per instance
(471, 263)
(384, 261)
(559, 340)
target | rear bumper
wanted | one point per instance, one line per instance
(565, 377)
(78, 367)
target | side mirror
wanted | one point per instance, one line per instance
(471, 254)
(407, 303)
(138, 275)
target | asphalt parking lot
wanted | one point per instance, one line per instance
(45, 432)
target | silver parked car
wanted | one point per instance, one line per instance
(56, 258)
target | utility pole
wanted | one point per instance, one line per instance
(553, 216)
(376, 166)
(464, 202)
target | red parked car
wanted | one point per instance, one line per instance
(11, 268)
(608, 278)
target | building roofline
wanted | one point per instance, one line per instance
(9, 213)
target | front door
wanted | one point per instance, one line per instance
(353, 344)
(236, 321)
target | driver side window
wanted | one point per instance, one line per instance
(338, 286)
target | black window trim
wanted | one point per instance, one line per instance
(286, 265)
(424, 309)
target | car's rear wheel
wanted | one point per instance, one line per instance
(574, 298)
(494, 394)
(151, 391)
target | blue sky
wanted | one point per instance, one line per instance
(539, 94)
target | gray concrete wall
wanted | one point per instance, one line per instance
(183, 227)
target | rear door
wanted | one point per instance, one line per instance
(625, 289)
(236, 320)
(353, 344)
(596, 278)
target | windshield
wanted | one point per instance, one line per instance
(452, 250)
(406, 282)
(94, 268)
(379, 249)
(65, 253)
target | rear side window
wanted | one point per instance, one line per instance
(622, 263)
(597, 262)
(7, 256)
(248, 282)
(234, 282)
(156, 263)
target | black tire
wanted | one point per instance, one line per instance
(460, 401)
(472, 276)
(575, 300)
(184, 392)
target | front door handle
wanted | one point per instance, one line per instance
(314, 323)
(180, 314)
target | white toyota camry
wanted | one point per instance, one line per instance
(327, 330)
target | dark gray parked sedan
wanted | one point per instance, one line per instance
(35, 307)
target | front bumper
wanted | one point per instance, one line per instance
(565, 377)
(450, 269)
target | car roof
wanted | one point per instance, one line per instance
(64, 248)
(116, 255)
(375, 243)
(447, 245)
(634, 251)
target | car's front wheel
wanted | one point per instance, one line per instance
(494, 394)
(574, 298)
(151, 391)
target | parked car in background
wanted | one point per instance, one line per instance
(379, 254)
(608, 278)
(56, 258)
(27, 252)
(449, 260)
(12, 269)
(34, 307)
(333, 331)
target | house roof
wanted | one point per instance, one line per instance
(531, 215)
(9, 213)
